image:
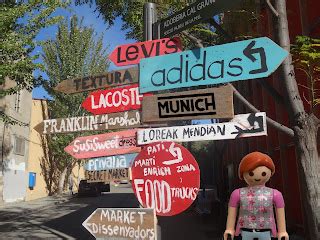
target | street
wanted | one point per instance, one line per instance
(64, 220)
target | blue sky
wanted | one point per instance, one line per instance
(112, 36)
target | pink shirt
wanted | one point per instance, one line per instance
(277, 201)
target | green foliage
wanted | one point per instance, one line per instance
(18, 40)
(74, 53)
(306, 52)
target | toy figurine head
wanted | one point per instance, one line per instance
(256, 168)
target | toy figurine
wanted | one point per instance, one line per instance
(255, 202)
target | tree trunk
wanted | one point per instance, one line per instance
(62, 180)
(309, 168)
(305, 129)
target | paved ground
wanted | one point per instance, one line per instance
(61, 218)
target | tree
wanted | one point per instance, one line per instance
(74, 53)
(20, 22)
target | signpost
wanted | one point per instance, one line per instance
(116, 174)
(122, 223)
(105, 80)
(110, 162)
(249, 59)
(194, 14)
(132, 53)
(196, 104)
(243, 125)
(113, 100)
(122, 120)
(106, 144)
(166, 177)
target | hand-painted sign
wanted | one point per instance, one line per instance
(106, 144)
(122, 223)
(110, 162)
(132, 53)
(197, 104)
(109, 79)
(122, 120)
(243, 125)
(109, 175)
(195, 13)
(113, 100)
(249, 59)
(166, 177)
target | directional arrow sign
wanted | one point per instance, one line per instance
(132, 53)
(242, 125)
(113, 100)
(122, 120)
(110, 162)
(195, 13)
(109, 79)
(249, 59)
(122, 223)
(106, 144)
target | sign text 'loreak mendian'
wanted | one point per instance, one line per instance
(122, 223)
(193, 14)
(249, 59)
(106, 144)
(110, 162)
(194, 104)
(242, 125)
(123, 120)
(110, 79)
(129, 54)
(116, 174)
(113, 100)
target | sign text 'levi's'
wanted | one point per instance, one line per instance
(132, 53)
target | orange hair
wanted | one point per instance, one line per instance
(254, 160)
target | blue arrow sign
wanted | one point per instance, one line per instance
(249, 59)
(110, 162)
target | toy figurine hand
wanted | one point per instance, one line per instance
(283, 236)
(227, 234)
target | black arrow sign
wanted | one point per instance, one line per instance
(249, 51)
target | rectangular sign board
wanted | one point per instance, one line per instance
(122, 223)
(123, 120)
(242, 125)
(196, 104)
(116, 174)
(110, 162)
(243, 60)
(193, 14)
(105, 80)
(106, 144)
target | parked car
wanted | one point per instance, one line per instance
(92, 189)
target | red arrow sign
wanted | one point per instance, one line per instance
(165, 177)
(114, 100)
(103, 145)
(132, 53)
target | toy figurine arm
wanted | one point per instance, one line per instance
(231, 220)
(281, 224)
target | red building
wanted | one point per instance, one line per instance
(303, 19)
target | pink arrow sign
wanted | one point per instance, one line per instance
(113, 100)
(132, 53)
(106, 144)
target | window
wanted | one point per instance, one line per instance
(17, 102)
(19, 145)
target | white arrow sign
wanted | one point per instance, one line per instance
(176, 152)
(243, 125)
